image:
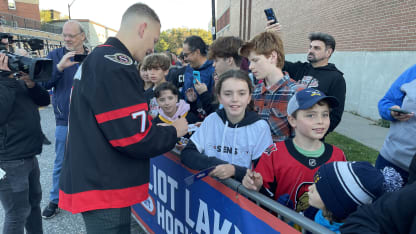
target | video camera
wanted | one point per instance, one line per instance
(39, 69)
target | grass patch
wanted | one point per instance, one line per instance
(354, 151)
(382, 123)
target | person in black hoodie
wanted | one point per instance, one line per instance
(392, 213)
(20, 141)
(317, 72)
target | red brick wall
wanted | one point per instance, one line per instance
(357, 25)
(224, 20)
(26, 10)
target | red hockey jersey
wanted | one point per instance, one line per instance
(286, 171)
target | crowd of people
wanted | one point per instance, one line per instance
(263, 124)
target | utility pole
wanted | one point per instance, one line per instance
(69, 9)
(213, 30)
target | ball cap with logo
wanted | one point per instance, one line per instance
(306, 98)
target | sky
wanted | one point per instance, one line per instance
(172, 13)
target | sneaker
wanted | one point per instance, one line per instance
(50, 211)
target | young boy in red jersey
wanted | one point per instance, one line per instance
(286, 168)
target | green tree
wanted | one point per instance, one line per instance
(162, 45)
(172, 39)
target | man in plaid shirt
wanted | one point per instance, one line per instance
(266, 55)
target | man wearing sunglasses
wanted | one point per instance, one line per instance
(64, 68)
(195, 53)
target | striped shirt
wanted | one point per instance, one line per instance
(271, 105)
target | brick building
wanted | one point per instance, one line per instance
(23, 8)
(376, 40)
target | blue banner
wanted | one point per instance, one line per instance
(206, 206)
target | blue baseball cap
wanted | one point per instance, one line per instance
(306, 98)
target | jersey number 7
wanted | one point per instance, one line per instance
(142, 115)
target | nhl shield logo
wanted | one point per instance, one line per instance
(312, 162)
(120, 58)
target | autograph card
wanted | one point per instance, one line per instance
(192, 127)
(2, 174)
(198, 176)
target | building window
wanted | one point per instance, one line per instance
(12, 4)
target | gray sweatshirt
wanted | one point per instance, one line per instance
(400, 144)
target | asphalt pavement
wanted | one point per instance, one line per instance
(64, 222)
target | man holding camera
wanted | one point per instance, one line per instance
(64, 68)
(20, 141)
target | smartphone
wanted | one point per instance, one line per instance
(400, 111)
(270, 15)
(79, 57)
(197, 76)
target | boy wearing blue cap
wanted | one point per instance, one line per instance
(286, 169)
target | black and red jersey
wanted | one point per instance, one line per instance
(286, 171)
(111, 136)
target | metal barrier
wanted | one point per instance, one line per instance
(20, 22)
(283, 212)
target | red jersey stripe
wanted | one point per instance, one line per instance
(120, 113)
(123, 142)
(104, 45)
(102, 199)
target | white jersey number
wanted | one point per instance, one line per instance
(141, 114)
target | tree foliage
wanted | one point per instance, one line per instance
(172, 39)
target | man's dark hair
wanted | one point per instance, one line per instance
(327, 39)
(196, 43)
(226, 47)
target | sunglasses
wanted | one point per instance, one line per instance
(187, 54)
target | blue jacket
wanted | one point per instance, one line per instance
(394, 95)
(61, 82)
(207, 76)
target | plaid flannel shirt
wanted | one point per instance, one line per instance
(271, 105)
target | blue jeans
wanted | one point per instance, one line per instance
(20, 195)
(381, 163)
(60, 141)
